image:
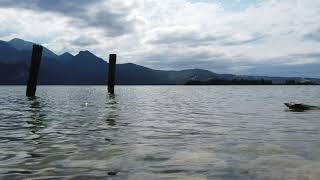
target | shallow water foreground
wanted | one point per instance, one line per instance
(159, 132)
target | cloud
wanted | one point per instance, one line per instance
(196, 37)
(282, 70)
(181, 35)
(175, 34)
(5, 32)
(293, 65)
(313, 36)
(236, 40)
(115, 21)
(51, 5)
(84, 41)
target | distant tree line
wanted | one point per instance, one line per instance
(294, 82)
(230, 82)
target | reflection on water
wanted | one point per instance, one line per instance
(159, 132)
(112, 105)
(36, 116)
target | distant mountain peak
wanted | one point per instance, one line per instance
(66, 54)
(21, 44)
(17, 39)
(66, 57)
(86, 54)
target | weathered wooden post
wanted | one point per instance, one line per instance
(34, 70)
(112, 72)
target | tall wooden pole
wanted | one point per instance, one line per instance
(34, 70)
(112, 72)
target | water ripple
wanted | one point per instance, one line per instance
(158, 132)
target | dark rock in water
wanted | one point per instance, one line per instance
(107, 139)
(301, 107)
(112, 173)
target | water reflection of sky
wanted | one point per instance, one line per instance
(150, 132)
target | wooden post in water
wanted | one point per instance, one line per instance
(34, 70)
(112, 72)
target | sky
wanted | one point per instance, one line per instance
(254, 37)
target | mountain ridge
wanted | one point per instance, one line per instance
(85, 68)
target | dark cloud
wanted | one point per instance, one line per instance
(67, 7)
(85, 13)
(114, 23)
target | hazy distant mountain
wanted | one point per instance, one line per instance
(87, 69)
(25, 45)
(10, 55)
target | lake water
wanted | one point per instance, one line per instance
(159, 132)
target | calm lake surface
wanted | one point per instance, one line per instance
(159, 132)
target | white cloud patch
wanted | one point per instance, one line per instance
(172, 34)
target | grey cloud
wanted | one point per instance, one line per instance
(84, 41)
(196, 38)
(305, 55)
(114, 23)
(90, 13)
(181, 60)
(254, 38)
(215, 62)
(300, 70)
(69, 7)
(281, 66)
(183, 36)
(241, 66)
(5, 32)
(313, 36)
(224, 66)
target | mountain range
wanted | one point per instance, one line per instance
(85, 68)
